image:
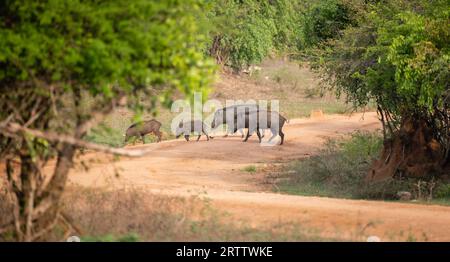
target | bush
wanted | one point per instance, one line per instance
(337, 168)
(398, 57)
(249, 169)
(246, 32)
(443, 191)
(324, 20)
(340, 170)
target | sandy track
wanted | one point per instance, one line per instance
(214, 169)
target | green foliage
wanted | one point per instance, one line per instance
(419, 51)
(287, 19)
(398, 55)
(106, 48)
(443, 191)
(130, 237)
(324, 20)
(249, 169)
(64, 60)
(245, 32)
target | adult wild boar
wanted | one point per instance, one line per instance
(228, 116)
(143, 128)
(193, 126)
(261, 119)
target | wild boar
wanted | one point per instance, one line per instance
(261, 119)
(228, 116)
(193, 126)
(143, 128)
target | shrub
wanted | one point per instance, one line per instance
(324, 20)
(443, 191)
(398, 56)
(249, 169)
(340, 169)
(246, 32)
(337, 170)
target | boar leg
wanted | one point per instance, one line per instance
(248, 135)
(282, 137)
(274, 134)
(143, 139)
(159, 135)
(186, 137)
(206, 134)
(229, 131)
(259, 135)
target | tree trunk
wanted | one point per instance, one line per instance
(37, 208)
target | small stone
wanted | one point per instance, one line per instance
(73, 239)
(373, 239)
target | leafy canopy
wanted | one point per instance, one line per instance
(103, 47)
(397, 55)
(246, 32)
(64, 66)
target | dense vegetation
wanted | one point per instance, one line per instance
(245, 32)
(398, 56)
(394, 53)
(241, 33)
(64, 66)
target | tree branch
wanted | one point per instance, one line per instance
(98, 116)
(13, 128)
(45, 230)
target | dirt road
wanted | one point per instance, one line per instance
(215, 169)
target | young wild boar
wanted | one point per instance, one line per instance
(143, 128)
(188, 127)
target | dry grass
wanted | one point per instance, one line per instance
(124, 211)
(5, 208)
(132, 214)
(136, 215)
(296, 87)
